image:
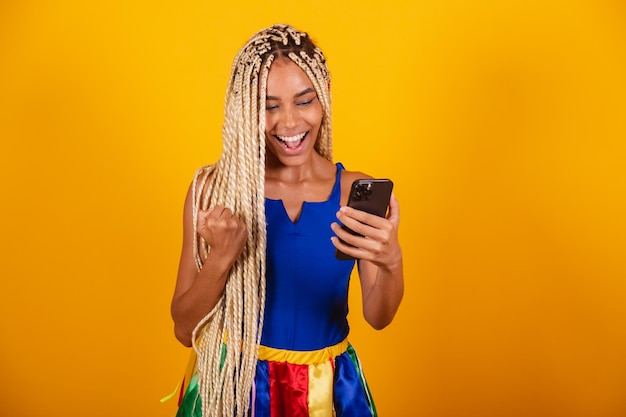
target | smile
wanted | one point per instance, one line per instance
(292, 142)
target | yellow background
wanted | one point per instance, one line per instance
(502, 124)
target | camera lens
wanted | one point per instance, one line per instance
(367, 191)
(357, 195)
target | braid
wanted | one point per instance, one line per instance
(237, 181)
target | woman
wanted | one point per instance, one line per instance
(260, 294)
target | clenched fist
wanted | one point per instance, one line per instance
(223, 231)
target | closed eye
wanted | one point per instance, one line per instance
(306, 102)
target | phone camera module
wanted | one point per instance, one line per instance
(363, 191)
(367, 189)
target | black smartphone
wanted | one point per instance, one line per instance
(371, 196)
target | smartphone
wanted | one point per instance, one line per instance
(371, 196)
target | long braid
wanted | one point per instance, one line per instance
(237, 181)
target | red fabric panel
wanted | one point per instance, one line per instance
(289, 385)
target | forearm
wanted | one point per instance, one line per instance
(194, 304)
(382, 300)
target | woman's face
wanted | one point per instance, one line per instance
(293, 114)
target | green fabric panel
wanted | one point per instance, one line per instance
(357, 364)
(191, 406)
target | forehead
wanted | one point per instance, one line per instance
(285, 76)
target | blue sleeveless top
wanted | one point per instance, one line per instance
(306, 305)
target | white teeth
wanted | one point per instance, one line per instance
(294, 138)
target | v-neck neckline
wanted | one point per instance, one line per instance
(335, 195)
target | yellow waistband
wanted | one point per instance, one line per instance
(309, 357)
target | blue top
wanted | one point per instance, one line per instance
(306, 305)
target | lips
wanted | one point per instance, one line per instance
(291, 142)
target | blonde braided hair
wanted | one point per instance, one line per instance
(237, 181)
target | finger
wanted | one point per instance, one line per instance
(204, 215)
(360, 228)
(344, 247)
(394, 210)
(341, 246)
(363, 217)
(214, 211)
(366, 243)
(344, 234)
(226, 214)
(366, 224)
(220, 212)
(349, 250)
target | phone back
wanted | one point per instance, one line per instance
(371, 195)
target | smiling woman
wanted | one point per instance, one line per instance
(501, 124)
(260, 294)
(293, 114)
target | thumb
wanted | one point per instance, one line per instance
(204, 214)
(394, 210)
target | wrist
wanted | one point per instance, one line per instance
(217, 265)
(394, 265)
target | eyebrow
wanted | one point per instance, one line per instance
(300, 94)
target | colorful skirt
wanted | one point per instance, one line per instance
(322, 383)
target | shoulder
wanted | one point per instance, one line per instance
(203, 174)
(200, 187)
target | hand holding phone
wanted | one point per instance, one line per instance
(371, 196)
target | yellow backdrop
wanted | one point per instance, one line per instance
(501, 123)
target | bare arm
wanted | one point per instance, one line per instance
(380, 260)
(196, 293)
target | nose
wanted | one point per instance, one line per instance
(288, 117)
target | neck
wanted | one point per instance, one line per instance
(312, 167)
